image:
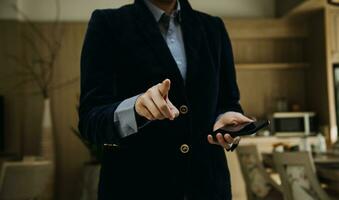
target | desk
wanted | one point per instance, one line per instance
(326, 159)
(320, 160)
(328, 172)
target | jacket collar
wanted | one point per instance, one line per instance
(157, 12)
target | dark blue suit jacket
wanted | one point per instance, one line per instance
(123, 55)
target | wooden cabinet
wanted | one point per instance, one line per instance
(271, 61)
(287, 58)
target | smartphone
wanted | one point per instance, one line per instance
(248, 128)
(241, 130)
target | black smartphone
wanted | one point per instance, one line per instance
(242, 129)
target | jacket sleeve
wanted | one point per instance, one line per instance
(98, 98)
(228, 97)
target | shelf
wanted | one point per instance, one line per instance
(247, 29)
(277, 66)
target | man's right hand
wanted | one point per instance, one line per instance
(154, 103)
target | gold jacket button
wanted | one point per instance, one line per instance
(183, 109)
(184, 148)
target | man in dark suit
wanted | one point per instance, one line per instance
(157, 77)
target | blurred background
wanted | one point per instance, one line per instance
(287, 62)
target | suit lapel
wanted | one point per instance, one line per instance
(149, 29)
(192, 35)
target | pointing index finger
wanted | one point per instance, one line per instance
(164, 87)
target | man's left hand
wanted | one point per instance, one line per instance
(228, 118)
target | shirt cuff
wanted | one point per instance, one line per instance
(124, 117)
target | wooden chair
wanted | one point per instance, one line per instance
(298, 176)
(259, 185)
(24, 179)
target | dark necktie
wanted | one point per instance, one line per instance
(164, 23)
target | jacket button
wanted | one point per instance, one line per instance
(183, 109)
(184, 148)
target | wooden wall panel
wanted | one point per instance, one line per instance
(283, 50)
(260, 89)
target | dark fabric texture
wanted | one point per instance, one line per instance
(123, 55)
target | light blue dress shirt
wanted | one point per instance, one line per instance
(124, 115)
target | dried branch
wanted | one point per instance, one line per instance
(29, 69)
(37, 64)
(31, 43)
(57, 23)
(66, 83)
(52, 63)
(33, 27)
(40, 61)
(18, 85)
